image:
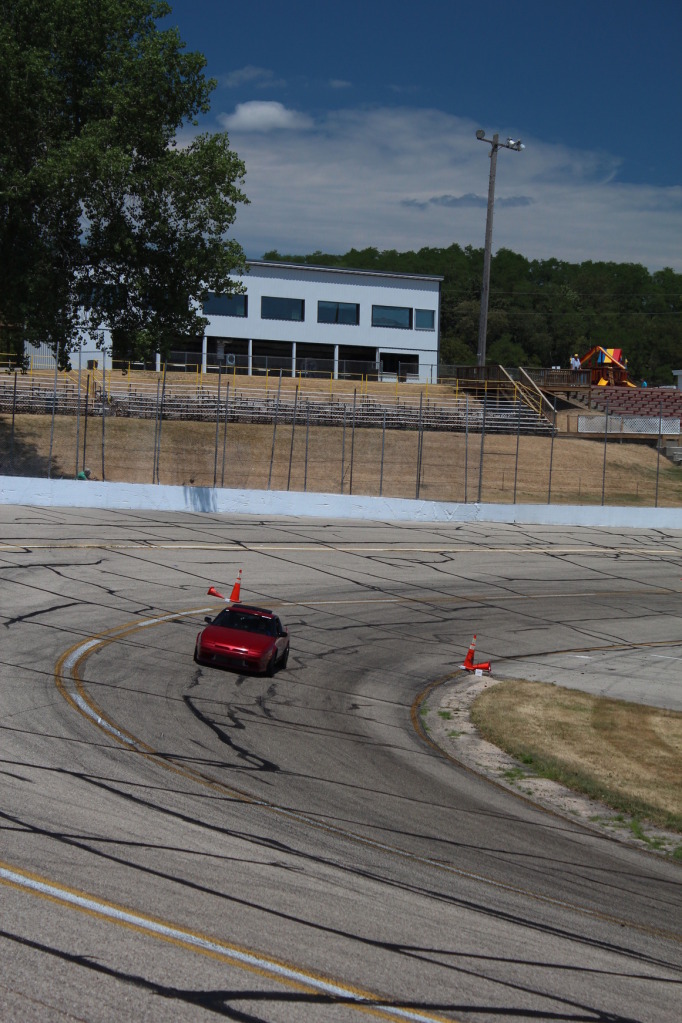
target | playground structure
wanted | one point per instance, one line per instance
(607, 366)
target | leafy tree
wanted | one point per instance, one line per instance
(100, 209)
(506, 353)
(455, 352)
(542, 311)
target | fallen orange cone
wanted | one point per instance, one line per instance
(212, 592)
(469, 665)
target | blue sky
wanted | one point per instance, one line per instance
(357, 120)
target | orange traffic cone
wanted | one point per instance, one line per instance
(212, 592)
(469, 660)
(236, 589)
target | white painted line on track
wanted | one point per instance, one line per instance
(72, 657)
(66, 675)
(102, 722)
(170, 617)
(314, 548)
(201, 943)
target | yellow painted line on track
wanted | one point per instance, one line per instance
(67, 670)
(194, 941)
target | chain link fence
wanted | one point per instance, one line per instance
(406, 441)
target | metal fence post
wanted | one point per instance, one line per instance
(480, 464)
(606, 435)
(307, 433)
(343, 448)
(466, 448)
(551, 456)
(419, 448)
(274, 428)
(227, 403)
(660, 440)
(518, 437)
(14, 409)
(352, 442)
(293, 428)
(85, 417)
(104, 404)
(383, 446)
(54, 409)
(217, 428)
(78, 410)
(160, 412)
(305, 475)
(156, 425)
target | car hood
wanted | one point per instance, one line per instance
(218, 635)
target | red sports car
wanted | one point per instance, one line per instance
(245, 638)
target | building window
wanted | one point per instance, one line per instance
(272, 308)
(424, 319)
(392, 316)
(226, 305)
(338, 312)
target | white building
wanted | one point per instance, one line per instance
(312, 319)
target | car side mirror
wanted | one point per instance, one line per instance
(208, 619)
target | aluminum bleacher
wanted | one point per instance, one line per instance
(181, 398)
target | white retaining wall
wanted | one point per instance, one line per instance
(20, 490)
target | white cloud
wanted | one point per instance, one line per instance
(407, 178)
(339, 83)
(265, 116)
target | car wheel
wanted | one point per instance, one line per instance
(196, 654)
(272, 665)
(285, 658)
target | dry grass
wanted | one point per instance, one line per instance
(625, 755)
(450, 468)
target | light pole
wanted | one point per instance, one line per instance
(494, 144)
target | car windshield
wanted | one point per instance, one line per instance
(231, 619)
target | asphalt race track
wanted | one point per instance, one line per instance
(182, 843)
